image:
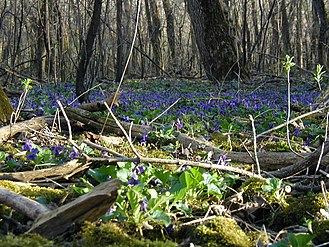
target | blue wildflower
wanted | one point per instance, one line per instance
(178, 124)
(140, 169)
(144, 204)
(144, 140)
(33, 154)
(57, 150)
(74, 154)
(134, 179)
(296, 131)
(222, 160)
(27, 145)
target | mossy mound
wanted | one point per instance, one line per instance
(221, 231)
(26, 240)
(271, 190)
(297, 209)
(34, 192)
(321, 229)
(110, 234)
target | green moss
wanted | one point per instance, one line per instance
(26, 240)
(34, 192)
(265, 189)
(221, 231)
(321, 229)
(298, 209)
(110, 234)
(226, 142)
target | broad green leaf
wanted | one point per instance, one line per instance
(123, 174)
(300, 239)
(161, 217)
(2, 156)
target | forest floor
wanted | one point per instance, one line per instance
(172, 192)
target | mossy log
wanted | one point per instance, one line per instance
(50, 223)
(269, 161)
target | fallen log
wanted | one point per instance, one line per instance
(50, 223)
(269, 161)
(55, 172)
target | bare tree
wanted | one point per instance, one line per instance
(87, 51)
(323, 39)
(213, 32)
(119, 63)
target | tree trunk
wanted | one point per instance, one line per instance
(6, 109)
(322, 16)
(154, 25)
(285, 29)
(170, 28)
(87, 51)
(119, 61)
(216, 44)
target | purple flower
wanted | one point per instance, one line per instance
(27, 145)
(222, 160)
(144, 140)
(140, 169)
(178, 124)
(74, 154)
(134, 179)
(144, 204)
(57, 150)
(296, 131)
(33, 154)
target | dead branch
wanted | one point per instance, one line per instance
(100, 106)
(52, 223)
(309, 161)
(56, 172)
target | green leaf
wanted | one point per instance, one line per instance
(123, 175)
(161, 216)
(13, 164)
(101, 174)
(183, 207)
(2, 156)
(162, 175)
(300, 239)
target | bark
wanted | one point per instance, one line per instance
(87, 51)
(154, 25)
(285, 29)
(50, 223)
(170, 28)
(323, 38)
(216, 43)
(119, 62)
(5, 107)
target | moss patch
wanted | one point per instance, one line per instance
(221, 231)
(110, 234)
(26, 240)
(34, 192)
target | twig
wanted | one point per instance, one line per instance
(199, 221)
(178, 162)
(130, 53)
(99, 147)
(164, 111)
(123, 131)
(66, 118)
(255, 142)
(292, 120)
(322, 146)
